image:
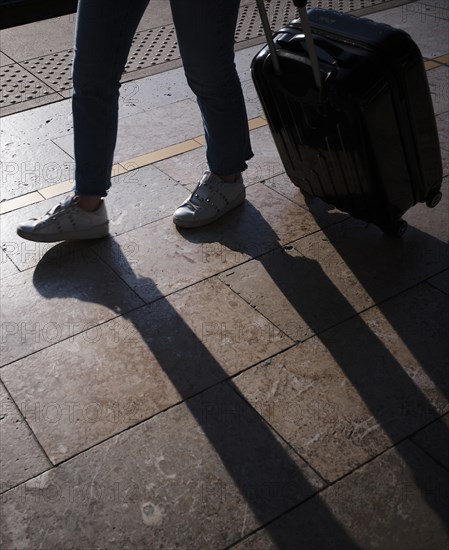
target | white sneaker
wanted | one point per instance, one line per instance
(66, 221)
(210, 200)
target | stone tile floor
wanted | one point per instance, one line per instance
(275, 380)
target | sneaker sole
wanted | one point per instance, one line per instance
(199, 223)
(97, 232)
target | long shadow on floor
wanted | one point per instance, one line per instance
(393, 398)
(381, 264)
(261, 468)
(248, 449)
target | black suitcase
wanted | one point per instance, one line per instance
(351, 114)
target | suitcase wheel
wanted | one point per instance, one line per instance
(433, 198)
(396, 230)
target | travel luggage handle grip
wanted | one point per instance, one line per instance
(301, 5)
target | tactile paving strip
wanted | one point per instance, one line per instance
(53, 69)
(18, 85)
(52, 73)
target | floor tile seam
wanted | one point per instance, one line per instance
(29, 105)
(369, 308)
(261, 121)
(66, 88)
(293, 342)
(329, 485)
(424, 449)
(430, 4)
(305, 208)
(199, 139)
(181, 402)
(75, 334)
(120, 234)
(3, 494)
(23, 420)
(38, 77)
(297, 343)
(227, 380)
(231, 384)
(149, 67)
(435, 287)
(123, 162)
(53, 142)
(187, 286)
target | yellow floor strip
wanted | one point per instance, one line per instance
(20, 202)
(57, 189)
(444, 59)
(258, 122)
(66, 186)
(118, 169)
(161, 154)
(149, 158)
(431, 64)
(201, 140)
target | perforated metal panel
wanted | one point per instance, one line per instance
(51, 73)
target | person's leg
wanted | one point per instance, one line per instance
(205, 31)
(104, 33)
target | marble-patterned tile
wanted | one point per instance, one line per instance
(151, 130)
(156, 90)
(252, 102)
(157, 14)
(188, 167)
(39, 38)
(443, 129)
(36, 126)
(231, 330)
(201, 475)
(27, 254)
(325, 213)
(115, 375)
(21, 457)
(441, 281)
(445, 161)
(5, 60)
(166, 259)
(7, 267)
(141, 196)
(428, 31)
(432, 221)
(382, 266)
(243, 59)
(342, 398)
(299, 294)
(27, 169)
(438, 79)
(30, 160)
(396, 501)
(58, 299)
(266, 162)
(433, 439)
(136, 198)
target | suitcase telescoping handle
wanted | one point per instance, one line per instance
(301, 5)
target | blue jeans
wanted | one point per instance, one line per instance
(205, 31)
